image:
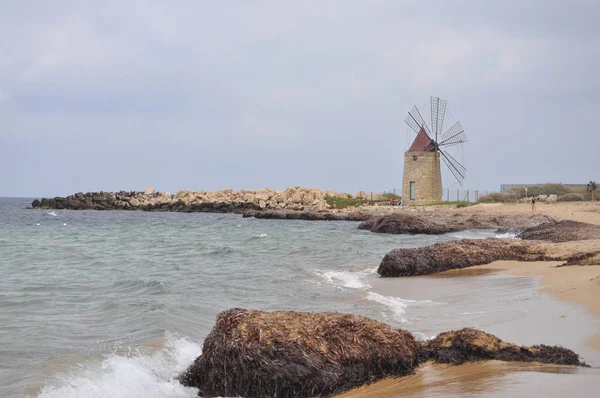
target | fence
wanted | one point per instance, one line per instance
(448, 194)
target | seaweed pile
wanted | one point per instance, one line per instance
(467, 345)
(286, 353)
(456, 254)
(440, 223)
(561, 231)
(307, 215)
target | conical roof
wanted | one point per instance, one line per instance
(422, 142)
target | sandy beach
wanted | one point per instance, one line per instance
(576, 286)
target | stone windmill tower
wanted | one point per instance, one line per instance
(422, 181)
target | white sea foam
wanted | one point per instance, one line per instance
(149, 375)
(343, 279)
(52, 214)
(507, 235)
(396, 305)
(262, 236)
(473, 234)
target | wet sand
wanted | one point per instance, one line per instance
(489, 379)
(521, 302)
(576, 284)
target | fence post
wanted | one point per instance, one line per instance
(448, 195)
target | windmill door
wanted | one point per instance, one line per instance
(413, 190)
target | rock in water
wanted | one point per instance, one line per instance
(468, 344)
(297, 354)
(455, 254)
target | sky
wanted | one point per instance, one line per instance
(207, 95)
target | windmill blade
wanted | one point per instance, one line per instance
(457, 169)
(416, 121)
(438, 111)
(454, 136)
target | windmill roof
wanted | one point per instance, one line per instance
(422, 142)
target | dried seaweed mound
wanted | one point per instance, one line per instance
(562, 231)
(402, 223)
(467, 345)
(306, 215)
(297, 354)
(455, 254)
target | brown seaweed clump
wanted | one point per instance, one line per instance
(403, 223)
(455, 254)
(583, 258)
(466, 345)
(306, 215)
(297, 354)
(300, 354)
(562, 231)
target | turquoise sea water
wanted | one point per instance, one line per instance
(96, 303)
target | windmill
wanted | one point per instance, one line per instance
(422, 181)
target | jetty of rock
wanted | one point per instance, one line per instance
(299, 354)
(227, 200)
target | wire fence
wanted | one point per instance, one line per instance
(448, 195)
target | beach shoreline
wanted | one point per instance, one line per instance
(577, 285)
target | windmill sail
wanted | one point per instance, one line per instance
(438, 111)
(457, 169)
(454, 136)
(415, 121)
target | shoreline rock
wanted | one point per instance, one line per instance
(456, 254)
(286, 353)
(221, 201)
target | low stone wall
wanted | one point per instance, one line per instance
(227, 200)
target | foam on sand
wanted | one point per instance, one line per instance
(346, 279)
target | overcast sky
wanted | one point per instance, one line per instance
(118, 95)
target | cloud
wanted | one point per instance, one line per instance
(314, 84)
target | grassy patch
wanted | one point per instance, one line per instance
(458, 204)
(342, 203)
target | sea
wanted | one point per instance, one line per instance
(117, 303)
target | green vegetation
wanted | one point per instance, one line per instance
(514, 194)
(458, 204)
(342, 203)
(545, 189)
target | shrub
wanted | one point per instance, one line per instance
(570, 197)
(500, 197)
(341, 203)
(542, 189)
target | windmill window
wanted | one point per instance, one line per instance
(413, 190)
(415, 158)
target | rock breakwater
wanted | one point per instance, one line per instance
(226, 200)
(300, 354)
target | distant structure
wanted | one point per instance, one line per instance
(506, 187)
(422, 180)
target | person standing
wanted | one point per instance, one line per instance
(533, 203)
